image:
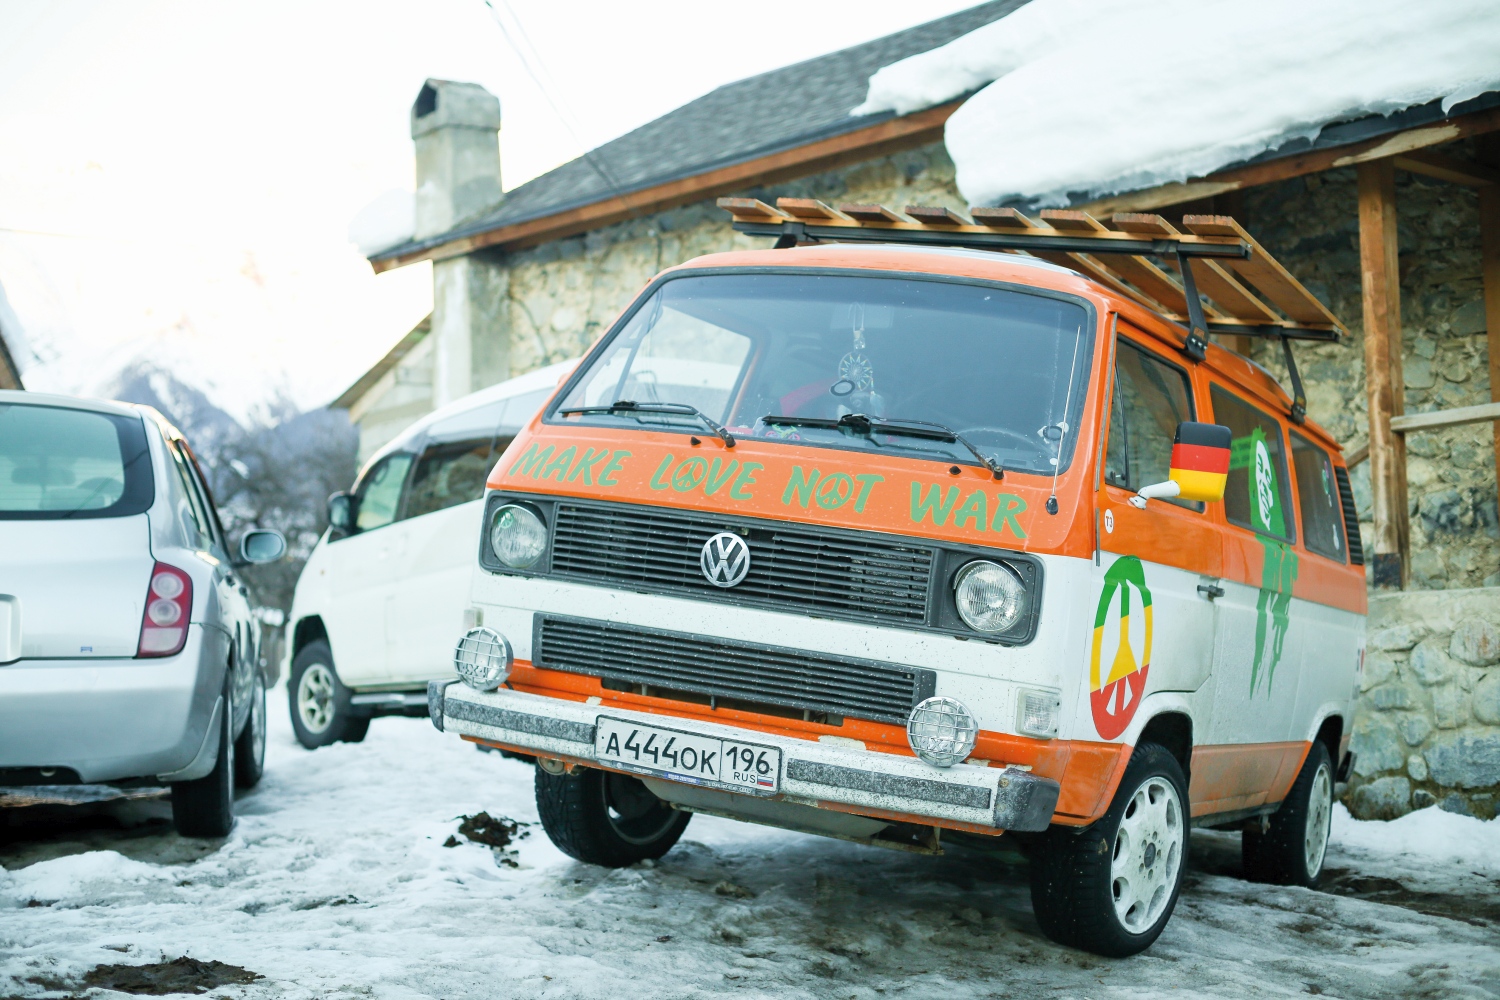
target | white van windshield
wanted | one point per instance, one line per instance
(61, 463)
(930, 368)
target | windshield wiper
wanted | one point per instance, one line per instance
(631, 406)
(866, 425)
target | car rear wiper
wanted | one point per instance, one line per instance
(631, 406)
(865, 425)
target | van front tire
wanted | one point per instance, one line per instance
(1110, 889)
(1294, 843)
(319, 701)
(603, 818)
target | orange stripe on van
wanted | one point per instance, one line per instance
(1243, 775)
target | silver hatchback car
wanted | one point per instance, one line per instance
(129, 650)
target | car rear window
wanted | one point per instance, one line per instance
(58, 463)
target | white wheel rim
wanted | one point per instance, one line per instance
(1147, 855)
(1319, 814)
(315, 698)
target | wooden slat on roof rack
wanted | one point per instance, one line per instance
(1247, 290)
(1262, 270)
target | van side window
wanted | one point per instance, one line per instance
(1318, 499)
(448, 473)
(379, 492)
(1256, 495)
(1151, 398)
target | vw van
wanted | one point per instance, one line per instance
(383, 591)
(882, 536)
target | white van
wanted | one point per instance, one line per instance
(384, 590)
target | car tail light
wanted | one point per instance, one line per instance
(169, 604)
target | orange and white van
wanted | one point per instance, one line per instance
(887, 538)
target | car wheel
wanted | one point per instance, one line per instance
(1111, 888)
(1290, 849)
(319, 701)
(607, 819)
(205, 807)
(250, 748)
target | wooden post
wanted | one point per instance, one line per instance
(1380, 279)
(1489, 237)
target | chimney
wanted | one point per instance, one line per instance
(455, 127)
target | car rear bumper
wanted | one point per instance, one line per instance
(111, 719)
(812, 774)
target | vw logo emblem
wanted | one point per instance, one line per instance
(725, 559)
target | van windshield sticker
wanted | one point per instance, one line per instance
(1113, 698)
(931, 501)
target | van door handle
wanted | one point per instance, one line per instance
(1210, 591)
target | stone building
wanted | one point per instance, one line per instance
(1393, 221)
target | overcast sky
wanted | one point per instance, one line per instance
(177, 178)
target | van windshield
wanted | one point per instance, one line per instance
(60, 463)
(795, 356)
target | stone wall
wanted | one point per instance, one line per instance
(1427, 725)
(1311, 225)
(565, 294)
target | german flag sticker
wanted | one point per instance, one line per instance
(1200, 461)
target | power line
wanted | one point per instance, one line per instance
(589, 155)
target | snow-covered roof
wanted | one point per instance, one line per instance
(1085, 98)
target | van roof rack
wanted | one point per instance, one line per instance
(1248, 293)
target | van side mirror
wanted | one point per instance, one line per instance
(341, 512)
(261, 546)
(1199, 466)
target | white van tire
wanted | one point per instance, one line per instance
(1291, 849)
(250, 748)
(205, 807)
(1110, 889)
(319, 701)
(607, 819)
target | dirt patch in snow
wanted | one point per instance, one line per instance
(493, 831)
(159, 979)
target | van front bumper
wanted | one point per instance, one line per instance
(111, 719)
(812, 773)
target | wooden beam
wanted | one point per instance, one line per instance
(1438, 419)
(890, 136)
(1311, 162)
(1380, 280)
(1489, 252)
(1440, 166)
(1358, 455)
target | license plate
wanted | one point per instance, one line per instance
(679, 756)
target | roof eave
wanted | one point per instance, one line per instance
(854, 139)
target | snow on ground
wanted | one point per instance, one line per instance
(336, 883)
(1099, 96)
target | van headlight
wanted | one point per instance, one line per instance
(941, 731)
(990, 596)
(482, 659)
(517, 536)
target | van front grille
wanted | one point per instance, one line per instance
(815, 683)
(835, 574)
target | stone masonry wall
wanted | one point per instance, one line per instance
(1311, 225)
(1427, 728)
(564, 295)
